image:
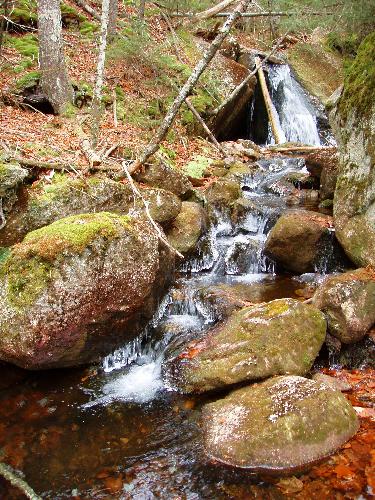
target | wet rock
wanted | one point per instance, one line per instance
(301, 180)
(239, 171)
(318, 161)
(162, 176)
(241, 148)
(297, 239)
(188, 227)
(223, 192)
(282, 425)
(74, 290)
(360, 355)
(348, 301)
(332, 382)
(328, 181)
(48, 202)
(11, 177)
(279, 337)
(353, 123)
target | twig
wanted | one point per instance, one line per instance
(109, 151)
(205, 127)
(145, 203)
(18, 482)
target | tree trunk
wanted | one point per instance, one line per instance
(112, 18)
(141, 10)
(214, 10)
(153, 146)
(54, 76)
(96, 110)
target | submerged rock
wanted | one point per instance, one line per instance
(297, 240)
(353, 122)
(348, 301)
(282, 425)
(275, 338)
(188, 227)
(74, 290)
(65, 196)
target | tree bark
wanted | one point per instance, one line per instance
(214, 10)
(96, 110)
(54, 76)
(268, 103)
(153, 146)
(112, 18)
(141, 10)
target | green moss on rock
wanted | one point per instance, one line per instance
(29, 266)
(359, 83)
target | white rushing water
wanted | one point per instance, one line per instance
(295, 113)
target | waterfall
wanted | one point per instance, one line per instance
(294, 112)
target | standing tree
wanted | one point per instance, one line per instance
(112, 18)
(54, 76)
(141, 9)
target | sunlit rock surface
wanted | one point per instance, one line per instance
(280, 337)
(74, 290)
(297, 240)
(64, 196)
(162, 176)
(348, 301)
(281, 425)
(187, 227)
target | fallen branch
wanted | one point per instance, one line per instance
(205, 127)
(18, 482)
(88, 9)
(92, 157)
(214, 10)
(244, 82)
(256, 14)
(45, 165)
(296, 149)
(154, 144)
(145, 203)
(268, 103)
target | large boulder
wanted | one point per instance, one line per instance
(348, 301)
(162, 176)
(353, 122)
(11, 177)
(223, 193)
(74, 290)
(66, 195)
(297, 240)
(188, 227)
(274, 338)
(282, 425)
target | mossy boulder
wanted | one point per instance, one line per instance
(188, 227)
(74, 290)
(353, 122)
(283, 425)
(297, 240)
(165, 177)
(11, 177)
(66, 195)
(279, 337)
(223, 193)
(348, 301)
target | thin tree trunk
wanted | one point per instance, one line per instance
(112, 18)
(244, 82)
(141, 10)
(54, 76)
(96, 110)
(204, 125)
(153, 146)
(268, 103)
(88, 9)
(214, 10)
(3, 24)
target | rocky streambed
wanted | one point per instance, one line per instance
(204, 379)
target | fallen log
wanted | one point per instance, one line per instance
(296, 149)
(214, 10)
(46, 165)
(88, 9)
(268, 102)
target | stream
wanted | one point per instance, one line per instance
(120, 430)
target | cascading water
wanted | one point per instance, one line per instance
(296, 115)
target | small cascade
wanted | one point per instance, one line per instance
(296, 115)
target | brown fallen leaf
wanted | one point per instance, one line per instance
(290, 485)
